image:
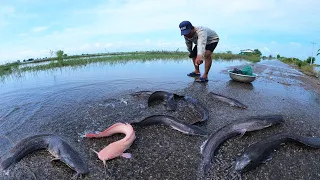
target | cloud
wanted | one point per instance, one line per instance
(266, 49)
(40, 28)
(147, 41)
(295, 43)
(23, 34)
(97, 45)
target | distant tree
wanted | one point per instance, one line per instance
(229, 52)
(278, 56)
(257, 52)
(309, 59)
(59, 54)
(270, 56)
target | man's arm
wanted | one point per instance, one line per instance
(202, 41)
(189, 45)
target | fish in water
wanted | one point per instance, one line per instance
(173, 123)
(199, 107)
(141, 94)
(210, 146)
(59, 148)
(116, 148)
(167, 97)
(261, 151)
(228, 100)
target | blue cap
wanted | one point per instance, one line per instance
(185, 27)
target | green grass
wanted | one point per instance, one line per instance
(116, 58)
(8, 68)
(228, 56)
(304, 66)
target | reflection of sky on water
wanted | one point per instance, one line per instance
(126, 71)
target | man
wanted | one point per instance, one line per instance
(205, 40)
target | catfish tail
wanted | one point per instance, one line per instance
(313, 142)
(24, 147)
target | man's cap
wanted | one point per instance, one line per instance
(185, 27)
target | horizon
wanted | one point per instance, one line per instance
(33, 28)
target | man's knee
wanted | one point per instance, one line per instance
(208, 55)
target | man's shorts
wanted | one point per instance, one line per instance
(209, 47)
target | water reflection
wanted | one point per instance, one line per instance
(239, 85)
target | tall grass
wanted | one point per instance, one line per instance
(8, 68)
(229, 56)
(304, 66)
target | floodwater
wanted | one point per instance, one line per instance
(24, 96)
(70, 101)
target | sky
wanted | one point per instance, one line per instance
(34, 28)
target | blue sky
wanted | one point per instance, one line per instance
(31, 28)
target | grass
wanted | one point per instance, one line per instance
(8, 68)
(228, 56)
(115, 58)
(304, 66)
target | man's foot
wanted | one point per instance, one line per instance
(202, 79)
(193, 74)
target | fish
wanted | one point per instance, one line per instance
(174, 123)
(167, 97)
(209, 147)
(261, 151)
(199, 107)
(58, 147)
(141, 93)
(232, 102)
(117, 148)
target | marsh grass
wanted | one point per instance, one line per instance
(228, 56)
(116, 58)
(8, 68)
(304, 66)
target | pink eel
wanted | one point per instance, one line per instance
(116, 148)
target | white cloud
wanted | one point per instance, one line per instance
(23, 34)
(266, 49)
(85, 46)
(107, 45)
(40, 28)
(97, 45)
(147, 41)
(295, 43)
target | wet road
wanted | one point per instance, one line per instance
(160, 152)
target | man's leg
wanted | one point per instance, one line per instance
(196, 68)
(207, 63)
(193, 56)
(208, 59)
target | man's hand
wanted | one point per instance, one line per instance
(198, 60)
